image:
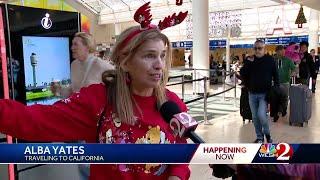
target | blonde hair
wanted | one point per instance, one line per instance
(119, 94)
(87, 40)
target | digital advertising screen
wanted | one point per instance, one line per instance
(46, 61)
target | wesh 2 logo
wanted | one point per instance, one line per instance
(282, 151)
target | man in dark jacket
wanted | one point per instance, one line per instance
(258, 73)
(316, 61)
(306, 66)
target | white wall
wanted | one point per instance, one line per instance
(105, 33)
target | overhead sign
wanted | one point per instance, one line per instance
(189, 44)
(285, 40)
(242, 46)
(217, 43)
(222, 43)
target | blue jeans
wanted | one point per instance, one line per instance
(258, 106)
(84, 171)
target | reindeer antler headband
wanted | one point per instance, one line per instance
(144, 17)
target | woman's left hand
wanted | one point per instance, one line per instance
(174, 178)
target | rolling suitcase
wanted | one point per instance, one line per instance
(300, 104)
(245, 110)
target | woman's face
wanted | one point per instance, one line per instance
(78, 49)
(303, 48)
(313, 52)
(146, 66)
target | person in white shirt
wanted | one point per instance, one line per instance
(86, 69)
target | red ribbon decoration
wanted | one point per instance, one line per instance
(143, 16)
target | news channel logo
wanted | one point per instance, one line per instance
(281, 151)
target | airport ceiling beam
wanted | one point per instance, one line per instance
(313, 4)
(90, 13)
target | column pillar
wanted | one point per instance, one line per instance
(313, 30)
(93, 28)
(228, 54)
(117, 29)
(200, 52)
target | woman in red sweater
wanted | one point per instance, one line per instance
(123, 110)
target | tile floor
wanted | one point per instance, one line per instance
(230, 128)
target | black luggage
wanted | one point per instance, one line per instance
(278, 100)
(245, 110)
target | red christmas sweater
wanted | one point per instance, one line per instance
(76, 117)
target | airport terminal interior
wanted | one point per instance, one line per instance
(208, 50)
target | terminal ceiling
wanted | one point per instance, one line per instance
(113, 11)
(314, 4)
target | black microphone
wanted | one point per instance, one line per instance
(182, 124)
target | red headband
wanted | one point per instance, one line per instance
(143, 17)
(136, 32)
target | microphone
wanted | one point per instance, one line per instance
(182, 124)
